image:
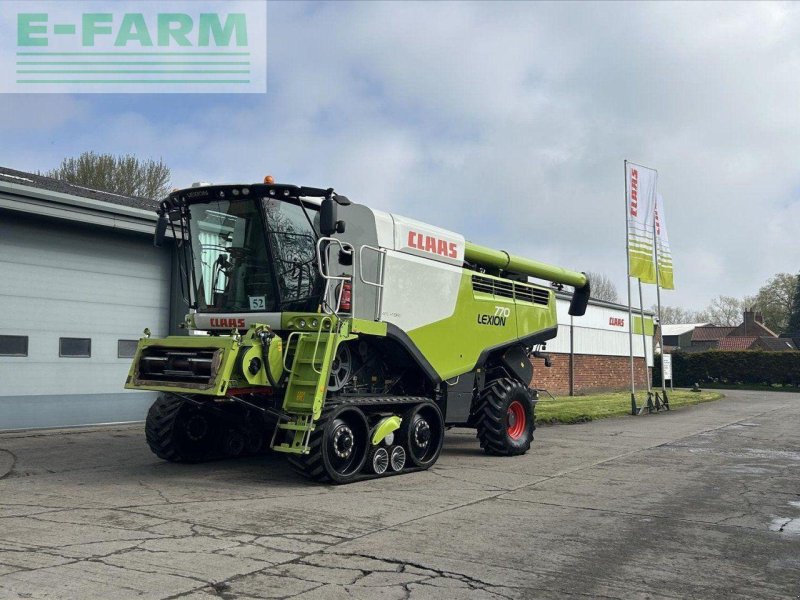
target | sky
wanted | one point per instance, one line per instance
(506, 122)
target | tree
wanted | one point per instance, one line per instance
(673, 315)
(725, 310)
(602, 287)
(775, 301)
(126, 175)
(794, 316)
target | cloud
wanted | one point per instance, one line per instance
(508, 122)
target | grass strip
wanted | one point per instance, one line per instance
(580, 409)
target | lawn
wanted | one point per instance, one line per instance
(579, 409)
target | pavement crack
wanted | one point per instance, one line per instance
(13, 463)
(156, 490)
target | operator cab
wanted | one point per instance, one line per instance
(247, 248)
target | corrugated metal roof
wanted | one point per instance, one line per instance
(54, 185)
(681, 328)
(710, 333)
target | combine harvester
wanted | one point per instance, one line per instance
(343, 336)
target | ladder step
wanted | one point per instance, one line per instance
(296, 426)
(308, 382)
(308, 361)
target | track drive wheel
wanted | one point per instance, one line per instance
(178, 432)
(339, 446)
(422, 434)
(504, 418)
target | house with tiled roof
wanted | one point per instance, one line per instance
(751, 334)
(707, 337)
(737, 342)
(753, 325)
(679, 336)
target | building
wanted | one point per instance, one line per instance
(592, 353)
(82, 280)
(679, 336)
(750, 334)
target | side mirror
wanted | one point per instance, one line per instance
(327, 217)
(161, 229)
(328, 220)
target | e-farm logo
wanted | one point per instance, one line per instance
(179, 46)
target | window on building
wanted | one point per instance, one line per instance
(13, 345)
(75, 347)
(126, 348)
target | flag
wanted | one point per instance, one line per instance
(640, 190)
(665, 274)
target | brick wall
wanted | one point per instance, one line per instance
(593, 373)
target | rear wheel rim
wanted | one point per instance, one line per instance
(424, 436)
(516, 420)
(346, 445)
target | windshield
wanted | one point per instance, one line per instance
(244, 263)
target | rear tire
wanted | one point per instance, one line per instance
(505, 418)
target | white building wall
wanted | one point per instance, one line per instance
(603, 330)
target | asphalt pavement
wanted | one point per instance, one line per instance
(701, 502)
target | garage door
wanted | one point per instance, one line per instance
(74, 301)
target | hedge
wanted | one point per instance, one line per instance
(735, 367)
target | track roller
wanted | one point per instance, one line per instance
(378, 460)
(397, 458)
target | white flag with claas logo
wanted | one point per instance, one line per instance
(665, 275)
(640, 184)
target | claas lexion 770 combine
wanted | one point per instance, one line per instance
(346, 337)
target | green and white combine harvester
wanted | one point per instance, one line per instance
(346, 337)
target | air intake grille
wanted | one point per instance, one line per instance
(505, 288)
(531, 294)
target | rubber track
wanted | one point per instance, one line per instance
(491, 418)
(310, 465)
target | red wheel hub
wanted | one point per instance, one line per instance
(516, 420)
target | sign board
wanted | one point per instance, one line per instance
(666, 365)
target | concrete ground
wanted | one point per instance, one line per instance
(703, 502)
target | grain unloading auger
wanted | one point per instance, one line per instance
(346, 337)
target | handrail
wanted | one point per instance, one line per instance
(288, 345)
(316, 345)
(328, 278)
(377, 284)
(330, 241)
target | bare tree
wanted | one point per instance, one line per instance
(726, 310)
(602, 287)
(126, 175)
(775, 300)
(673, 315)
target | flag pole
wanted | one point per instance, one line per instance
(630, 310)
(644, 339)
(658, 304)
